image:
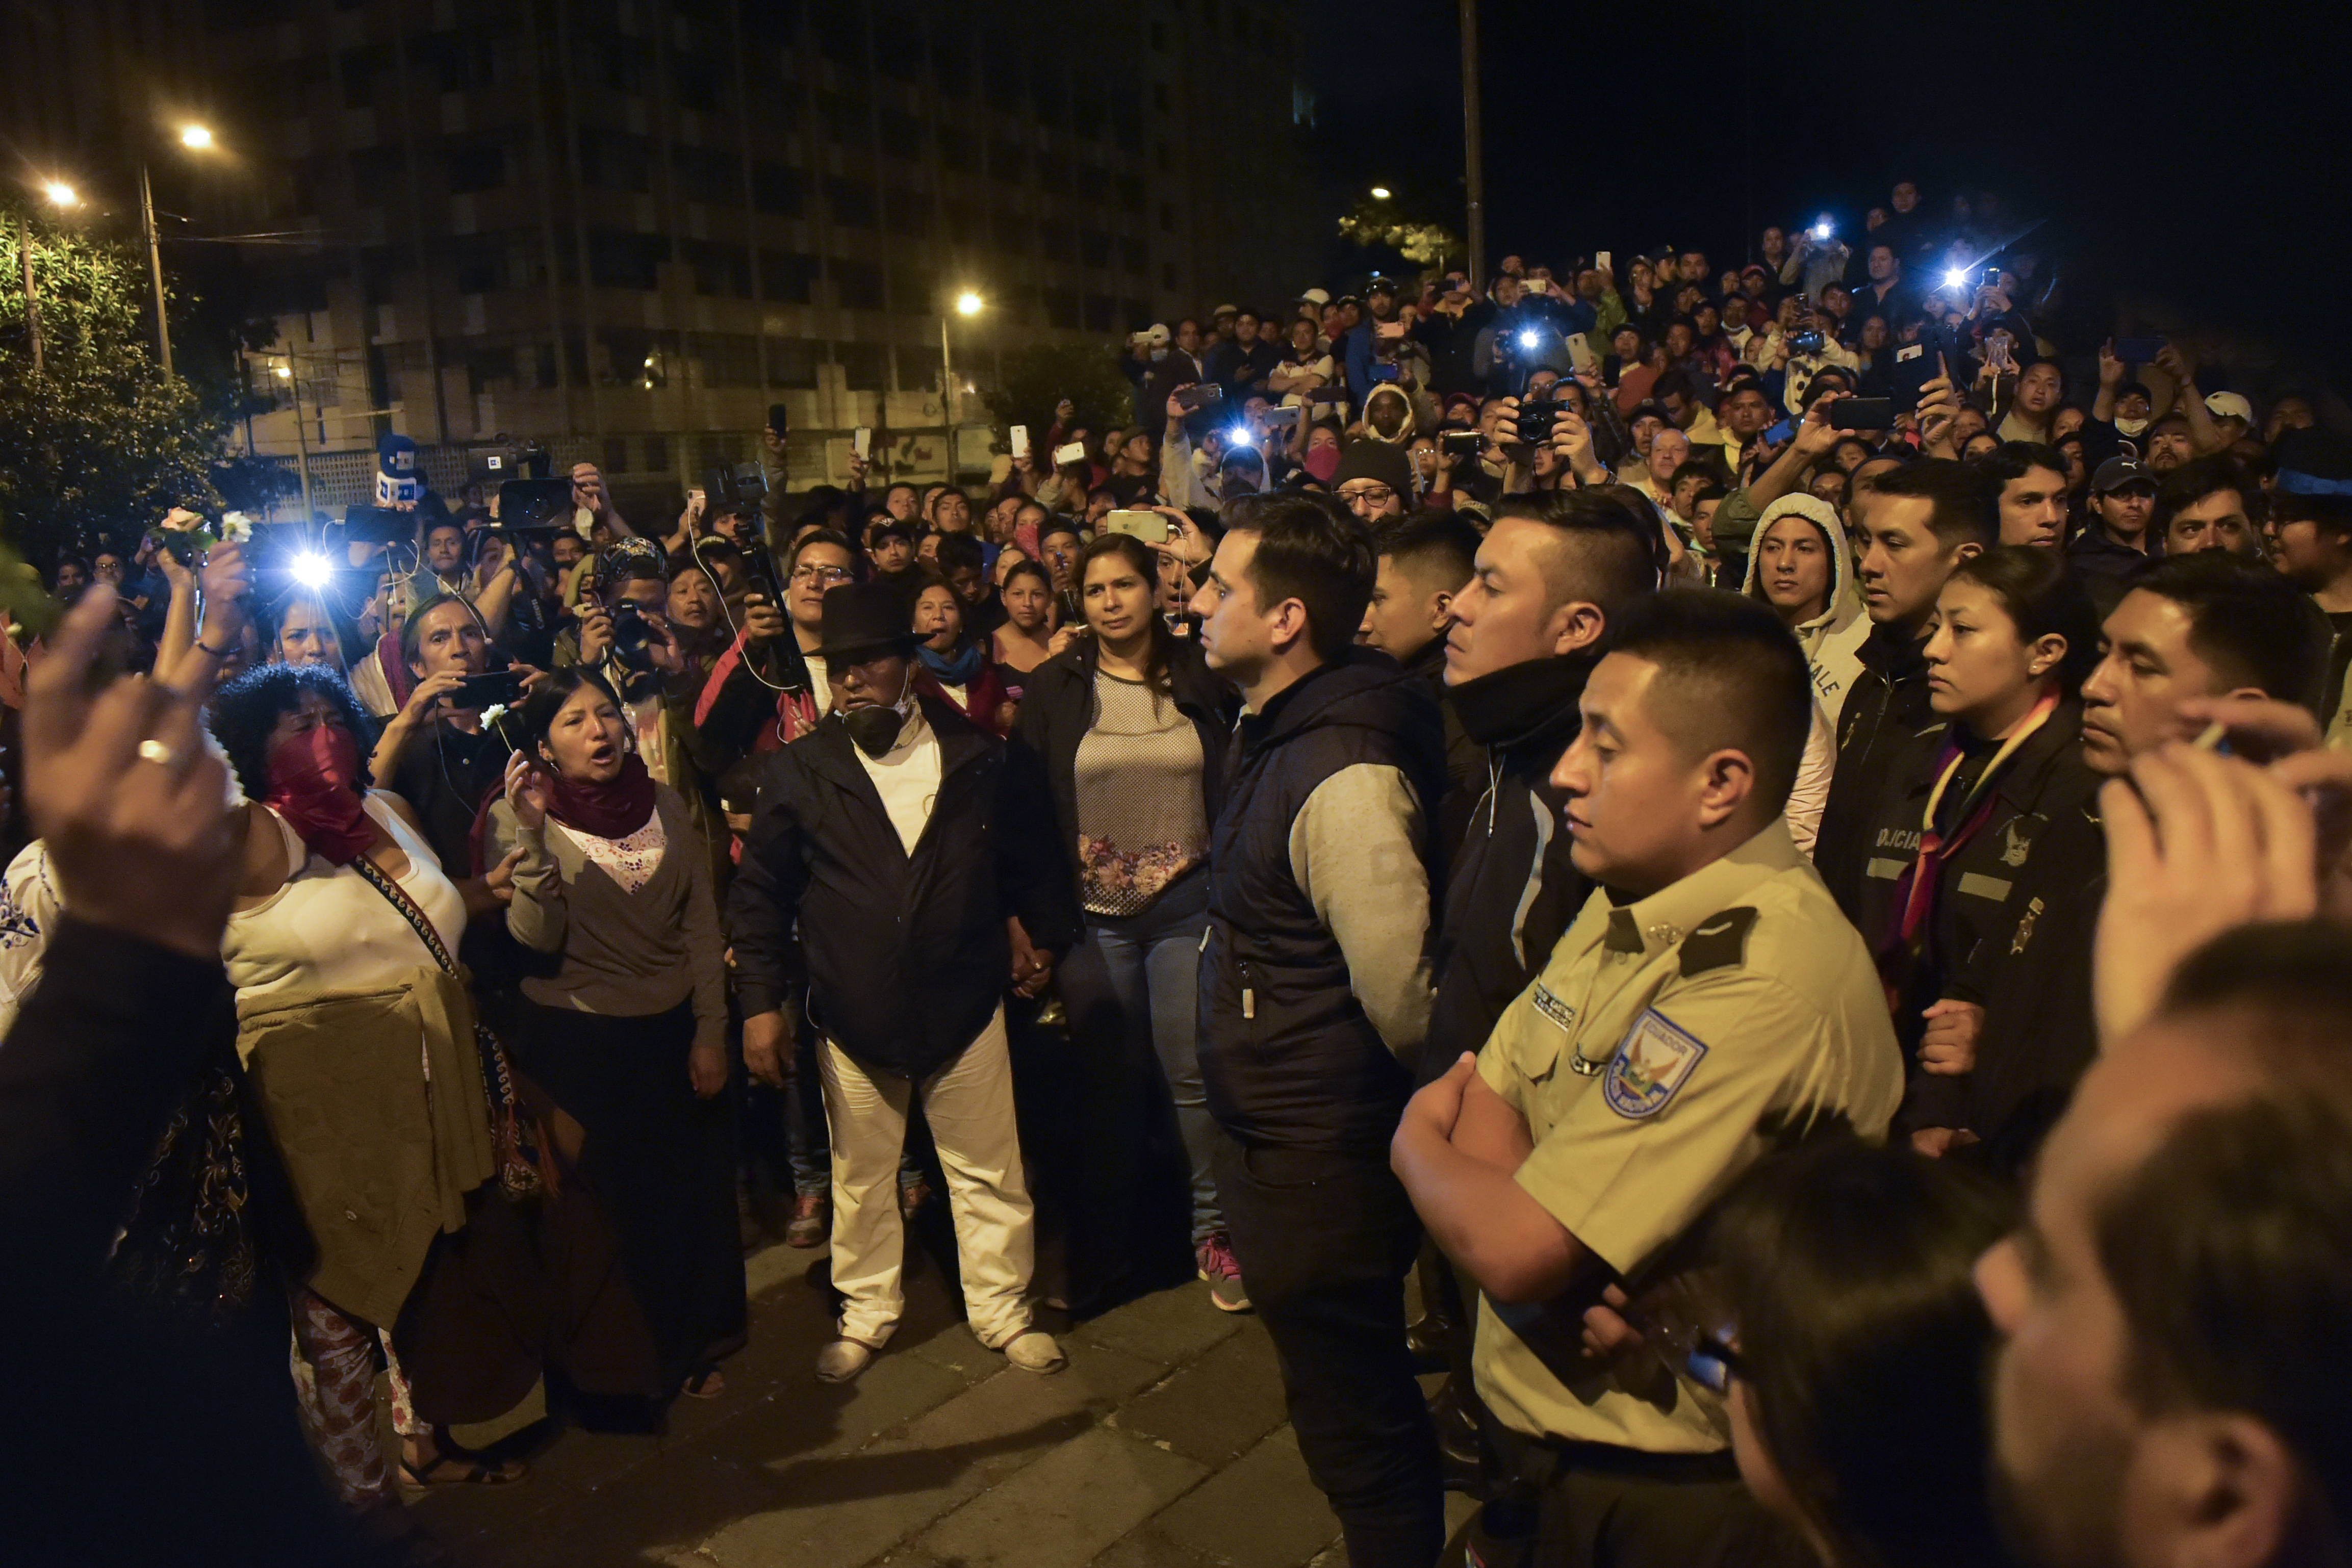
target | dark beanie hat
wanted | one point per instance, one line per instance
(1376, 460)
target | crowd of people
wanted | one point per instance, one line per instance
(1776, 850)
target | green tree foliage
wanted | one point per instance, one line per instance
(1391, 223)
(1038, 377)
(99, 444)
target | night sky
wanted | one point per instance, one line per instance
(2190, 154)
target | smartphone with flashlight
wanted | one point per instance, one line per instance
(1020, 441)
(482, 691)
(1992, 279)
(861, 441)
(1279, 418)
(1602, 260)
(1069, 453)
(1823, 229)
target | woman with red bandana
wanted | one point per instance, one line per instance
(356, 1029)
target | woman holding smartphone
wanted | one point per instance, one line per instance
(1131, 726)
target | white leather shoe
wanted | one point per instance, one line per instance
(842, 1360)
(1036, 1352)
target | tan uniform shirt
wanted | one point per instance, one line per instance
(1734, 1003)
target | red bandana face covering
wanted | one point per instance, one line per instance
(312, 779)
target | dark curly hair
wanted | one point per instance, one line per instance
(248, 708)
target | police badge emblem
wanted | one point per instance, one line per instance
(1651, 1067)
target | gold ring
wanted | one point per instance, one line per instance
(156, 752)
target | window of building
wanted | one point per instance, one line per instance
(856, 285)
(619, 260)
(481, 166)
(792, 362)
(787, 276)
(852, 202)
(778, 188)
(616, 454)
(865, 367)
(656, 454)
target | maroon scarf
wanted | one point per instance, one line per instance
(314, 785)
(613, 809)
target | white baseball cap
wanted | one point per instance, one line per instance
(2230, 405)
(1315, 297)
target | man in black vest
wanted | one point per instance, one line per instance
(1315, 996)
(908, 849)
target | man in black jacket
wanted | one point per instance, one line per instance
(1527, 628)
(1425, 557)
(1919, 523)
(1315, 996)
(903, 843)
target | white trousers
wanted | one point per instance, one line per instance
(969, 1104)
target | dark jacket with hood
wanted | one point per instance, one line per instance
(905, 956)
(1057, 709)
(1886, 737)
(1512, 887)
(1313, 975)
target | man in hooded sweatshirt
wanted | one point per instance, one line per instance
(1800, 567)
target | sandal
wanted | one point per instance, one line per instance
(451, 1469)
(704, 1384)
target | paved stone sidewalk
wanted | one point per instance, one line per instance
(1161, 1446)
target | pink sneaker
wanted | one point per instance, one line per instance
(1222, 1271)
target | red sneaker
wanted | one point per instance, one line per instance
(812, 1218)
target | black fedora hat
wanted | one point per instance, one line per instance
(865, 621)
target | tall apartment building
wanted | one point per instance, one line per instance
(626, 227)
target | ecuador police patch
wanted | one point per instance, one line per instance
(1651, 1067)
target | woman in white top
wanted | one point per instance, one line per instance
(359, 1039)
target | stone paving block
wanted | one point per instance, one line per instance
(840, 1509)
(1146, 1548)
(1217, 1407)
(654, 1516)
(1169, 1326)
(1260, 1512)
(1060, 1512)
(809, 1420)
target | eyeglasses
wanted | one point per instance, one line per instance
(1374, 496)
(820, 574)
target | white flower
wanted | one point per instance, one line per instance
(495, 712)
(235, 528)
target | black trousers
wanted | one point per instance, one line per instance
(1324, 1240)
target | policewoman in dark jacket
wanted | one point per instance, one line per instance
(903, 843)
(1314, 997)
(1129, 727)
(2013, 636)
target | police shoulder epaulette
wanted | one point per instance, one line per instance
(1717, 941)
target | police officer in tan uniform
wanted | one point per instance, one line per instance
(1710, 999)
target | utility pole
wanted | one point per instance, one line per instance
(155, 266)
(302, 438)
(1474, 168)
(32, 301)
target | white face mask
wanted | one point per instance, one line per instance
(2131, 426)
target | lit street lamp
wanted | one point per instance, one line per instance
(966, 304)
(197, 138)
(1379, 193)
(60, 194)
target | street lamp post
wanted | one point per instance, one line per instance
(60, 196)
(155, 269)
(966, 304)
(197, 138)
(301, 436)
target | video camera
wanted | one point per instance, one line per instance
(739, 484)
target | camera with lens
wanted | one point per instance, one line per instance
(1807, 341)
(1537, 416)
(632, 637)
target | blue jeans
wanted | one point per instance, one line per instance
(1133, 981)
